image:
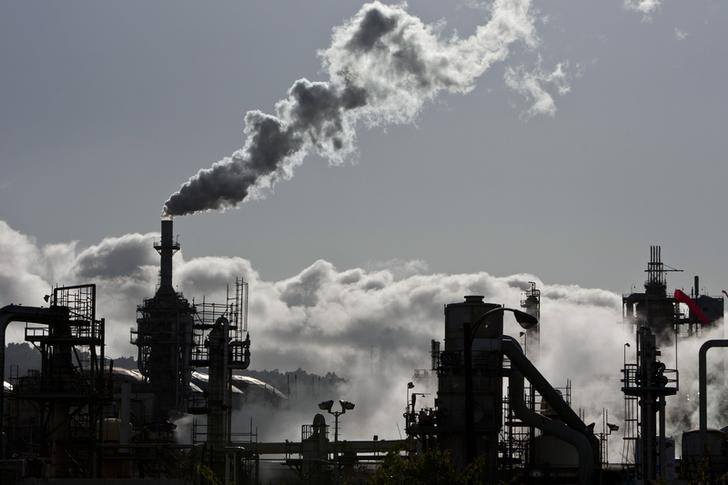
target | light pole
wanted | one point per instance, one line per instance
(470, 329)
(345, 406)
(410, 385)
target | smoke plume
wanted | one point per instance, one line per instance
(383, 65)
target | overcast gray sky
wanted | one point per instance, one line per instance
(107, 107)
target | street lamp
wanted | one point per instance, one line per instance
(326, 405)
(526, 321)
(345, 406)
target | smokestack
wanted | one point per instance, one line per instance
(166, 249)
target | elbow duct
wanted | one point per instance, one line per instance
(572, 429)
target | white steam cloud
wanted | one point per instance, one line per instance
(383, 65)
(535, 85)
(681, 34)
(371, 326)
(645, 7)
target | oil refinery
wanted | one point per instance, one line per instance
(81, 419)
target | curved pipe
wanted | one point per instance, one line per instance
(18, 313)
(703, 381)
(572, 431)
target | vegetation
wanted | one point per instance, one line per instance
(434, 467)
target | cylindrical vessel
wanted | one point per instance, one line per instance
(487, 391)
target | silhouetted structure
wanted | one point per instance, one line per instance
(57, 413)
(650, 381)
(705, 451)
(660, 312)
(164, 337)
(531, 304)
(469, 415)
(78, 417)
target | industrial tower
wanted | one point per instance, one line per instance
(164, 337)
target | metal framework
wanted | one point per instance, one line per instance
(235, 310)
(649, 381)
(516, 449)
(662, 312)
(162, 337)
(531, 304)
(218, 345)
(67, 396)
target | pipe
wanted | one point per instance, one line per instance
(703, 381)
(515, 354)
(18, 313)
(470, 438)
(166, 250)
(125, 415)
(572, 431)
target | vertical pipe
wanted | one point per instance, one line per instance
(468, 364)
(532, 429)
(661, 445)
(703, 382)
(124, 415)
(3, 325)
(166, 251)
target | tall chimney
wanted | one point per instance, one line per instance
(166, 249)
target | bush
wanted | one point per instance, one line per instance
(433, 467)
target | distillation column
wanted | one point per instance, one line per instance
(164, 336)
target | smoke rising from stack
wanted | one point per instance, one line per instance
(383, 65)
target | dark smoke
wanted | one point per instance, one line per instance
(383, 64)
(374, 25)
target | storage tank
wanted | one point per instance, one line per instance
(706, 458)
(487, 361)
(554, 452)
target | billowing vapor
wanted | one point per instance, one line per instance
(645, 7)
(383, 65)
(532, 85)
(371, 326)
